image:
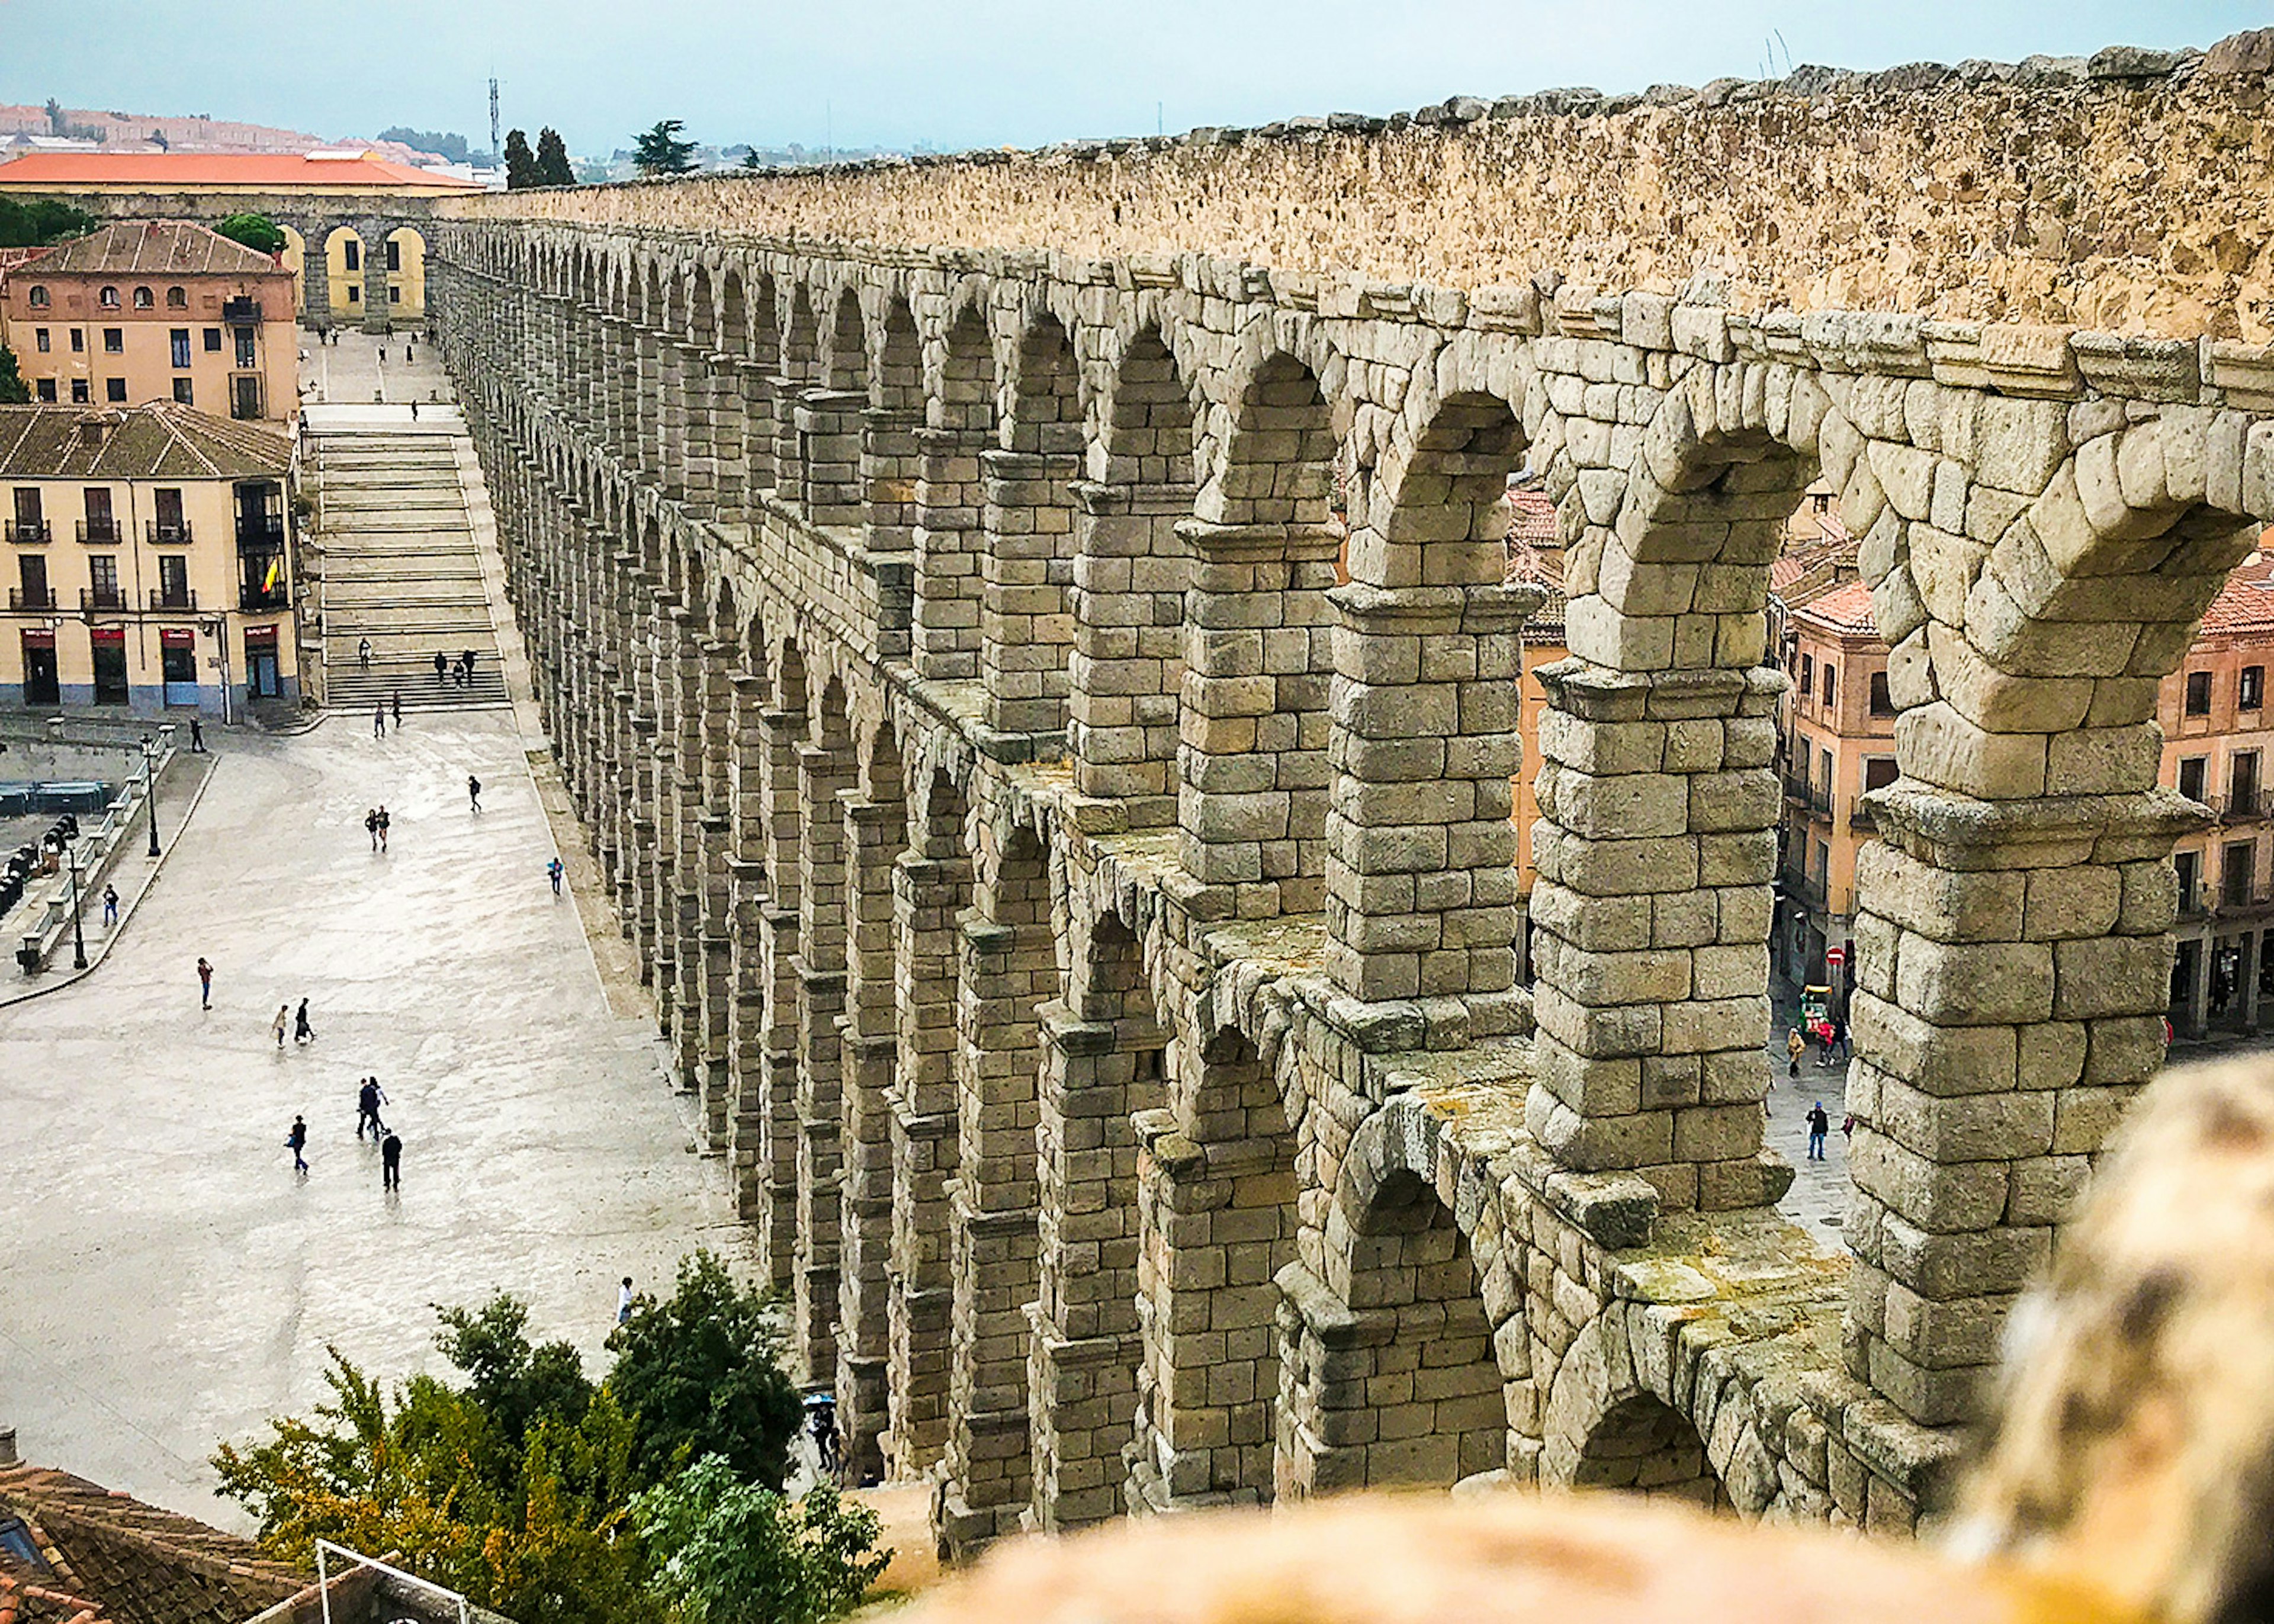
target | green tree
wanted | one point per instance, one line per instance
(553, 159)
(700, 1373)
(728, 1551)
(658, 149)
(28, 222)
(520, 162)
(751, 161)
(257, 232)
(513, 1488)
(13, 390)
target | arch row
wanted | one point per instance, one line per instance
(1050, 728)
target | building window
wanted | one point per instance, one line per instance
(213, 340)
(102, 578)
(41, 341)
(2250, 689)
(355, 296)
(394, 295)
(107, 298)
(2193, 770)
(79, 341)
(169, 527)
(1807, 676)
(184, 392)
(80, 394)
(114, 340)
(178, 299)
(354, 252)
(114, 390)
(2242, 784)
(2199, 692)
(2189, 867)
(46, 390)
(2234, 874)
(39, 298)
(394, 255)
(144, 299)
(1883, 702)
(179, 338)
(246, 355)
(1878, 772)
(1829, 674)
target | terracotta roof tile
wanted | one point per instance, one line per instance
(189, 171)
(154, 248)
(160, 440)
(1844, 610)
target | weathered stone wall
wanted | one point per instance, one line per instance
(1178, 1133)
(2125, 194)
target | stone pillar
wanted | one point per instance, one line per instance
(671, 435)
(1655, 850)
(715, 984)
(377, 314)
(788, 458)
(949, 545)
(747, 1073)
(829, 454)
(1252, 752)
(689, 862)
(1130, 573)
(2013, 966)
(889, 470)
(1216, 1222)
(825, 772)
(784, 819)
(758, 434)
(1025, 621)
(931, 890)
(1009, 968)
(620, 388)
(875, 833)
(316, 276)
(698, 452)
(730, 463)
(644, 419)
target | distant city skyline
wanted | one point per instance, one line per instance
(897, 73)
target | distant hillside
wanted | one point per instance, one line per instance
(180, 133)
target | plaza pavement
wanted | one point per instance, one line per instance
(166, 1280)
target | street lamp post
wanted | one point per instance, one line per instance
(150, 788)
(79, 935)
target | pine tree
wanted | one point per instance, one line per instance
(552, 159)
(751, 161)
(13, 390)
(521, 171)
(658, 149)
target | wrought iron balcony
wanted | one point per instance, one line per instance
(163, 602)
(30, 532)
(252, 597)
(30, 598)
(264, 532)
(99, 532)
(94, 599)
(162, 533)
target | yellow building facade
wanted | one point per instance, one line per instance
(149, 561)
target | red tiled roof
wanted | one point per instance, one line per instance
(154, 248)
(2245, 604)
(190, 171)
(1844, 610)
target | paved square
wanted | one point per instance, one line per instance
(166, 1282)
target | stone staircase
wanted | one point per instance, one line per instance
(400, 567)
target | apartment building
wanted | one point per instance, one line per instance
(155, 310)
(150, 560)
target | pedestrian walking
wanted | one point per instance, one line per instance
(379, 721)
(196, 738)
(442, 666)
(474, 790)
(205, 983)
(302, 1032)
(624, 1300)
(1795, 1046)
(383, 822)
(297, 1142)
(1819, 1124)
(1839, 1038)
(363, 652)
(109, 906)
(390, 1162)
(553, 873)
(414, 411)
(283, 1022)
(371, 826)
(394, 703)
(466, 663)
(369, 1098)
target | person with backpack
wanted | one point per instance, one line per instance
(1819, 1124)
(474, 790)
(553, 871)
(296, 1141)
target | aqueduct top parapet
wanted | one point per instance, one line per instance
(2123, 193)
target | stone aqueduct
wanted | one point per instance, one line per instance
(1088, 927)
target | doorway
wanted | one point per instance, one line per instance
(40, 685)
(110, 666)
(262, 679)
(177, 655)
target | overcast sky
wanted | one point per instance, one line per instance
(958, 73)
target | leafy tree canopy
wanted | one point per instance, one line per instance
(728, 1551)
(29, 222)
(553, 159)
(700, 1373)
(520, 162)
(257, 232)
(658, 150)
(447, 144)
(13, 390)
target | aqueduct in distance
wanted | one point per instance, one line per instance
(1089, 927)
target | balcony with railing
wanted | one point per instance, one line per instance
(167, 532)
(252, 596)
(29, 532)
(23, 598)
(99, 532)
(1798, 885)
(100, 599)
(174, 601)
(1816, 798)
(266, 530)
